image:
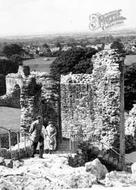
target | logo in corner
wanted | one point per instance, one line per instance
(107, 20)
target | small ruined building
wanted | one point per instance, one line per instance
(91, 104)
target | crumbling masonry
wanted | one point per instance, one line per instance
(89, 102)
(36, 94)
(93, 102)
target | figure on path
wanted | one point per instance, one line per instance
(51, 133)
(37, 136)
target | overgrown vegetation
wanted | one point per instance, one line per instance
(130, 86)
(82, 155)
(12, 58)
(12, 49)
(8, 66)
(88, 152)
(117, 44)
(76, 60)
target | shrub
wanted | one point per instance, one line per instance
(83, 154)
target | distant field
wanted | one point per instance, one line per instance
(9, 118)
(40, 64)
(43, 63)
(130, 59)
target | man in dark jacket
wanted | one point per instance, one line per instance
(36, 131)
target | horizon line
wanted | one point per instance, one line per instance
(17, 36)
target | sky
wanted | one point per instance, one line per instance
(34, 17)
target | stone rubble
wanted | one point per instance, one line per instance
(53, 172)
(96, 168)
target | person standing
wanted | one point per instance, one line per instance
(51, 133)
(36, 131)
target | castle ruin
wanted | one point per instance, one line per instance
(91, 102)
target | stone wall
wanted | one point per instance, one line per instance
(11, 98)
(39, 96)
(130, 130)
(30, 102)
(130, 123)
(11, 81)
(107, 95)
(76, 103)
(36, 93)
(50, 99)
(93, 102)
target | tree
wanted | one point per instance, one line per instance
(58, 45)
(46, 45)
(130, 86)
(17, 59)
(8, 66)
(75, 60)
(12, 49)
(84, 66)
(118, 45)
(48, 53)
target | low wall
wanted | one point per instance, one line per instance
(12, 80)
(11, 99)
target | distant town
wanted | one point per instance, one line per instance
(50, 46)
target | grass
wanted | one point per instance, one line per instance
(130, 59)
(9, 118)
(43, 64)
(40, 64)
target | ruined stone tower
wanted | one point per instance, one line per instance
(94, 102)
